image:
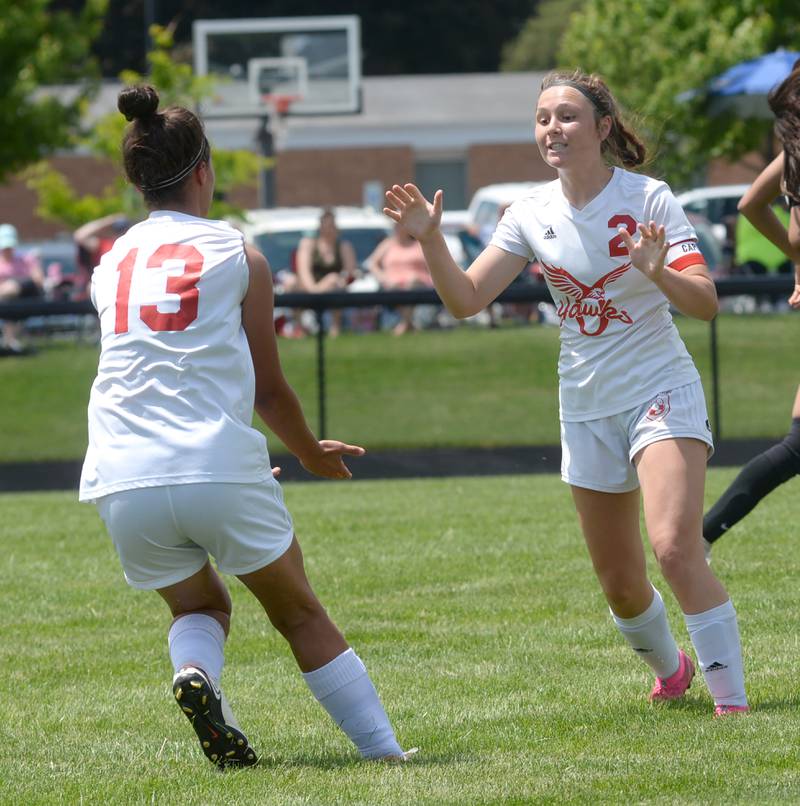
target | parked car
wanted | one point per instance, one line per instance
(484, 208)
(709, 244)
(277, 232)
(59, 260)
(716, 203)
(454, 221)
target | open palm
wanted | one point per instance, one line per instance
(649, 252)
(408, 207)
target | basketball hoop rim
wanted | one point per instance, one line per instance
(280, 102)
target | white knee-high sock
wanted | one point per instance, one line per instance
(197, 639)
(650, 637)
(344, 690)
(715, 635)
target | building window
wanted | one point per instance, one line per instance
(448, 174)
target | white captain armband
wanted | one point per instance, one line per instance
(683, 254)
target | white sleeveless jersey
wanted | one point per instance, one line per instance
(173, 399)
(619, 345)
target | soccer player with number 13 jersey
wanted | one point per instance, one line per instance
(616, 250)
(174, 465)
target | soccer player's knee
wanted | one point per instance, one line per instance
(672, 557)
(621, 588)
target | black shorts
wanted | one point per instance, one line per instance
(28, 288)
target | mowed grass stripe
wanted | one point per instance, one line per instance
(466, 387)
(474, 606)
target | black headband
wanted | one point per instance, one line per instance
(173, 180)
(581, 89)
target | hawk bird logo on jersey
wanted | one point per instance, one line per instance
(585, 301)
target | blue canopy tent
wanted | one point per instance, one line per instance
(743, 88)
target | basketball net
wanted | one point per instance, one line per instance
(279, 103)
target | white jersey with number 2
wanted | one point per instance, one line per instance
(619, 345)
(173, 399)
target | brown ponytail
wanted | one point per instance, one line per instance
(784, 101)
(622, 146)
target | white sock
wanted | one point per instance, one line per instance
(198, 640)
(715, 635)
(650, 637)
(344, 690)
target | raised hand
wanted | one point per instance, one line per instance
(409, 208)
(649, 252)
(794, 299)
(328, 463)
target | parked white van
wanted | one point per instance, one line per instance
(716, 203)
(277, 231)
(484, 207)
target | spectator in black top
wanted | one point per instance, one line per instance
(326, 263)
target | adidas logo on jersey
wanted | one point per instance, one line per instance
(549, 234)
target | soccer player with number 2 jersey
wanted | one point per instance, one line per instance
(617, 251)
(174, 465)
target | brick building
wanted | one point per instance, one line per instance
(458, 132)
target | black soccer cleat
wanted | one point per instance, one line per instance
(201, 701)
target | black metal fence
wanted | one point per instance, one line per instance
(773, 286)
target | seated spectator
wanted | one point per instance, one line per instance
(21, 276)
(326, 263)
(399, 263)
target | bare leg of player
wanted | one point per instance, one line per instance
(610, 523)
(332, 670)
(672, 477)
(201, 606)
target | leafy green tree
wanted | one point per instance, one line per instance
(651, 52)
(537, 44)
(176, 84)
(39, 46)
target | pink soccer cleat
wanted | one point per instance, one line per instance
(675, 686)
(724, 710)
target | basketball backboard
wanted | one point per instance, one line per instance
(316, 60)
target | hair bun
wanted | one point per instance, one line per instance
(138, 103)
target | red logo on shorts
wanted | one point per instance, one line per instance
(587, 301)
(659, 408)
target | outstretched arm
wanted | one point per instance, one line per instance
(88, 235)
(464, 293)
(794, 238)
(756, 207)
(275, 401)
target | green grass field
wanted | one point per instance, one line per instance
(473, 604)
(470, 386)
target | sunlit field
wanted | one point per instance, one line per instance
(467, 387)
(474, 606)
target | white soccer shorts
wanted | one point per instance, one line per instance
(598, 454)
(164, 535)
